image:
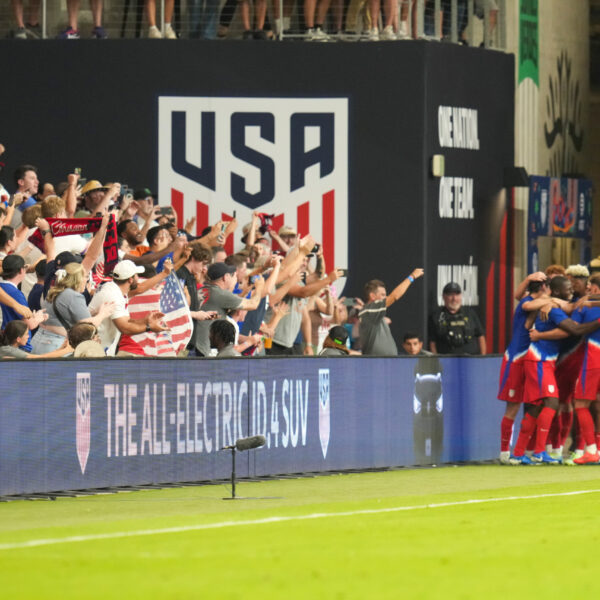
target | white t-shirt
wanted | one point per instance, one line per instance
(109, 292)
(70, 243)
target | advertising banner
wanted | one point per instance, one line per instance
(103, 423)
(559, 208)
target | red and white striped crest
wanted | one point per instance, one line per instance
(220, 157)
(83, 414)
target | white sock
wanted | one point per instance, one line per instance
(287, 22)
(591, 449)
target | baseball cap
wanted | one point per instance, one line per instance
(66, 257)
(339, 334)
(452, 288)
(217, 270)
(143, 193)
(13, 262)
(126, 269)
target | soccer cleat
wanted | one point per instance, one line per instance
(69, 34)
(519, 460)
(20, 33)
(556, 455)
(505, 458)
(544, 457)
(587, 459)
(388, 34)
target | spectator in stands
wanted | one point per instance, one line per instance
(314, 24)
(219, 297)
(222, 337)
(454, 328)
(335, 342)
(35, 295)
(13, 273)
(44, 190)
(375, 335)
(97, 198)
(412, 344)
(66, 306)
(219, 254)
(84, 339)
(191, 275)
(26, 182)
(159, 239)
(14, 338)
(147, 212)
(389, 8)
(139, 253)
(55, 207)
(124, 279)
(31, 28)
(153, 31)
(260, 12)
(7, 241)
(72, 31)
(204, 17)
(295, 293)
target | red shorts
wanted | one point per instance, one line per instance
(540, 381)
(512, 381)
(588, 384)
(567, 372)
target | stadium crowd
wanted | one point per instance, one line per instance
(96, 270)
(321, 21)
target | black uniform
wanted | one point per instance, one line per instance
(455, 333)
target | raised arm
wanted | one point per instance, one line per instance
(522, 287)
(401, 288)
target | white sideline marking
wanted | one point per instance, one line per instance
(268, 520)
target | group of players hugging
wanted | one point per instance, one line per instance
(552, 368)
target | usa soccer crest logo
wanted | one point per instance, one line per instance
(324, 410)
(220, 157)
(83, 412)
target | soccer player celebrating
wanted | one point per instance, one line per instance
(511, 373)
(588, 387)
(541, 390)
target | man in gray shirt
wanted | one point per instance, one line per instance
(220, 298)
(375, 335)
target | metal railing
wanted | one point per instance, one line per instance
(472, 22)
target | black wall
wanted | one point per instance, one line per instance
(95, 105)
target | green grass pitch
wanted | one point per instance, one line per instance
(485, 534)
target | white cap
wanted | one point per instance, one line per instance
(126, 269)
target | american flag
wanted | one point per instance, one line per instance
(168, 298)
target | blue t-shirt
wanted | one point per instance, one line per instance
(9, 314)
(547, 349)
(161, 263)
(34, 300)
(520, 335)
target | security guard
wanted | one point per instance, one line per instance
(453, 328)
